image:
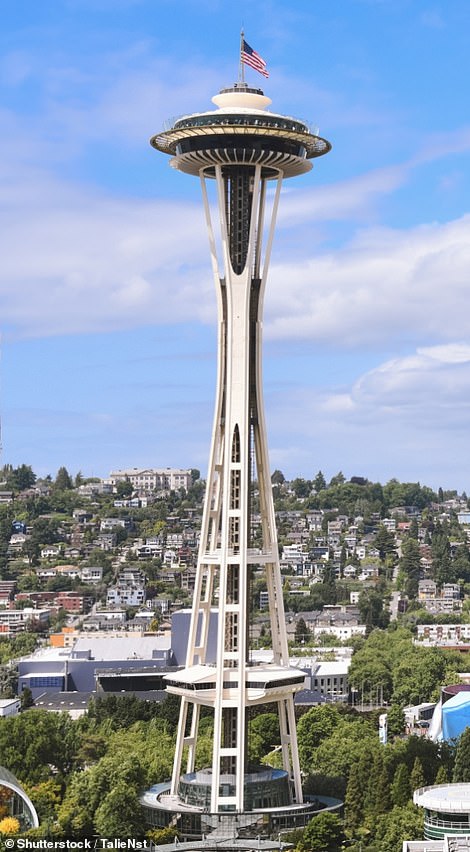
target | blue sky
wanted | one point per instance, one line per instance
(107, 303)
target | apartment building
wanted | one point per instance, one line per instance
(153, 479)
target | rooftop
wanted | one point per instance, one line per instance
(450, 798)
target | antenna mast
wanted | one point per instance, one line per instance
(241, 69)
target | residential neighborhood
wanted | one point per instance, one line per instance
(97, 578)
(73, 551)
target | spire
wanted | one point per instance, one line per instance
(241, 66)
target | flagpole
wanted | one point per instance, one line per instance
(241, 70)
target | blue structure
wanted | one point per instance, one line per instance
(455, 716)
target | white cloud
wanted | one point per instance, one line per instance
(80, 263)
(426, 385)
(75, 259)
(384, 285)
(349, 198)
(407, 418)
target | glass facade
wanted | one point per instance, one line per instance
(262, 789)
(437, 824)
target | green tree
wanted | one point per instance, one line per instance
(442, 568)
(384, 541)
(160, 836)
(302, 632)
(418, 675)
(46, 797)
(398, 825)
(319, 482)
(26, 698)
(338, 479)
(400, 788)
(442, 776)
(462, 759)
(263, 735)
(34, 742)
(376, 786)
(120, 813)
(301, 487)
(371, 668)
(323, 833)
(461, 563)
(88, 796)
(395, 720)
(20, 478)
(46, 531)
(410, 565)
(328, 587)
(417, 778)
(350, 742)
(316, 725)
(63, 480)
(124, 488)
(354, 800)
(371, 608)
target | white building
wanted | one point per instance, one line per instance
(129, 589)
(153, 479)
(443, 634)
(91, 574)
(9, 706)
(14, 620)
(329, 678)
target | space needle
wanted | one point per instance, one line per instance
(241, 148)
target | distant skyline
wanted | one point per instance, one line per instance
(107, 303)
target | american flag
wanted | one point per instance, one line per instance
(253, 59)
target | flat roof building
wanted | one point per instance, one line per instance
(448, 844)
(77, 667)
(446, 810)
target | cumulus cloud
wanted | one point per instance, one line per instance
(408, 417)
(384, 284)
(74, 261)
(77, 259)
(431, 382)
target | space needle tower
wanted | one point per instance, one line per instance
(241, 148)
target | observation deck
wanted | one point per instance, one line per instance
(261, 682)
(241, 132)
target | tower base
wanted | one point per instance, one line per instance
(195, 823)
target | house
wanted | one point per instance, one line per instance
(51, 551)
(350, 572)
(82, 516)
(110, 524)
(129, 589)
(17, 540)
(91, 574)
(426, 589)
(7, 590)
(106, 541)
